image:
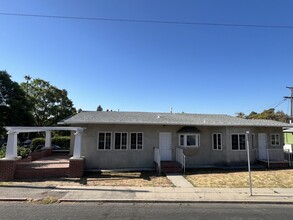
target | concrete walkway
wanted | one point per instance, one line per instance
(145, 194)
(179, 181)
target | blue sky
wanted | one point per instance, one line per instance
(152, 67)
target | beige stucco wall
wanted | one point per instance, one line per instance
(203, 155)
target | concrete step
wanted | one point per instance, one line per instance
(41, 173)
(171, 167)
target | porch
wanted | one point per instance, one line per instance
(41, 163)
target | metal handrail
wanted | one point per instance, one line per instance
(182, 159)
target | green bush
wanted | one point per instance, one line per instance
(21, 151)
(2, 153)
(62, 141)
(36, 142)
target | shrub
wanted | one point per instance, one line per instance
(2, 153)
(21, 151)
(36, 142)
(62, 141)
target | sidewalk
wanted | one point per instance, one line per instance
(146, 194)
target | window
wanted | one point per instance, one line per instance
(275, 139)
(136, 141)
(217, 141)
(120, 141)
(238, 142)
(189, 140)
(104, 140)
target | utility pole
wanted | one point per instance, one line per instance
(291, 99)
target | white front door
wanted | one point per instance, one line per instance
(262, 146)
(165, 140)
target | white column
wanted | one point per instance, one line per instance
(48, 140)
(11, 148)
(77, 144)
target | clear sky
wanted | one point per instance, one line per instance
(150, 66)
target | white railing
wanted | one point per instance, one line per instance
(288, 154)
(180, 157)
(157, 158)
(275, 155)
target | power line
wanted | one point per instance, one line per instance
(147, 21)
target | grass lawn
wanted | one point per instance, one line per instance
(135, 179)
(239, 178)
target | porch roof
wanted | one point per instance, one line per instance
(152, 118)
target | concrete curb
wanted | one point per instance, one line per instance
(172, 201)
(14, 199)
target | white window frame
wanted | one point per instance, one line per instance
(218, 146)
(197, 140)
(98, 142)
(276, 141)
(136, 144)
(121, 145)
(238, 149)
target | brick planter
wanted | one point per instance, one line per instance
(76, 167)
(7, 169)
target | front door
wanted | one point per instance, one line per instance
(262, 146)
(165, 140)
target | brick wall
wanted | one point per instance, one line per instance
(7, 169)
(76, 167)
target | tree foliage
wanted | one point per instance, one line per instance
(50, 104)
(268, 114)
(99, 108)
(15, 108)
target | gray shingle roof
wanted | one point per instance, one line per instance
(151, 118)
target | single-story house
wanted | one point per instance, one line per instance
(116, 140)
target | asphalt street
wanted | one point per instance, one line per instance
(26, 210)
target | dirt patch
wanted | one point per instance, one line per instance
(240, 179)
(135, 179)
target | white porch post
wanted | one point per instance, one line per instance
(11, 148)
(77, 144)
(48, 140)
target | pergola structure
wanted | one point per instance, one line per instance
(7, 164)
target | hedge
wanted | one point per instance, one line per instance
(62, 141)
(21, 151)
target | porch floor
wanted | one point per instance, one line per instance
(274, 163)
(51, 166)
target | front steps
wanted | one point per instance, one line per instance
(54, 166)
(171, 167)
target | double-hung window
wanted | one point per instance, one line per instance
(136, 141)
(238, 142)
(189, 140)
(120, 141)
(217, 141)
(104, 140)
(275, 139)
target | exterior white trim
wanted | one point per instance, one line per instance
(136, 140)
(221, 146)
(127, 140)
(271, 139)
(111, 141)
(238, 134)
(197, 140)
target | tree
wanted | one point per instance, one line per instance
(240, 115)
(99, 109)
(15, 108)
(50, 104)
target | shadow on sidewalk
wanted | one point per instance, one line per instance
(69, 189)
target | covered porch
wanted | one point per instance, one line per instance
(9, 164)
